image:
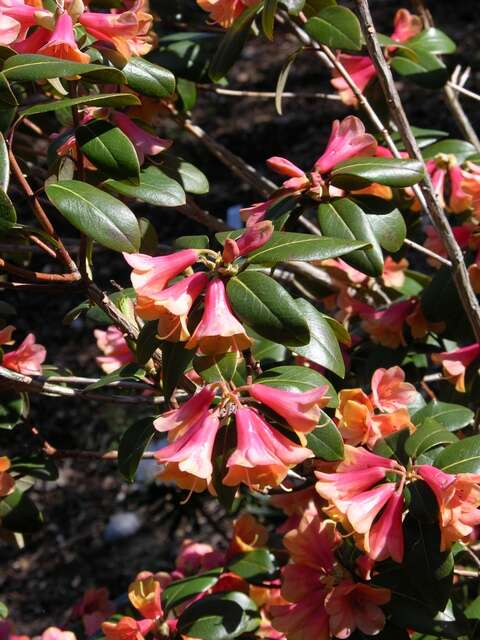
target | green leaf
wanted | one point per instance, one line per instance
(187, 54)
(129, 371)
(428, 435)
(216, 368)
(8, 215)
(181, 590)
(154, 188)
(358, 172)
(4, 165)
(284, 246)
(28, 67)
(147, 342)
(175, 360)
(389, 229)
(192, 179)
(282, 80)
(13, 407)
(326, 441)
(461, 149)
(337, 27)
(149, 79)
(219, 616)
(255, 566)
(461, 457)
(149, 237)
(187, 92)
(432, 40)
(451, 416)
(109, 149)
(39, 466)
(191, 242)
(96, 214)
(265, 350)
(7, 98)
(261, 303)
(19, 514)
(425, 69)
(295, 378)
(342, 218)
(232, 44)
(3, 611)
(97, 100)
(268, 17)
(323, 348)
(393, 446)
(132, 445)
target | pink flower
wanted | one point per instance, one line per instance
(196, 557)
(362, 71)
(385, 538)
(352, 606)
(406, 26)
(313, 544)
(386, 326)
(127, 629)
(298, 179)
(254, 237)
(27, 358)
(192, 449)
(303, 620)
(394, 272)
(151, 275)
(62, 44)
(255, 213)
(145, 143)
(218, 331)
(16, 17)
(455, 363)
(390, 391)
(189, 413)
(93, 608)
(54, 633)
(224, 12)
(262, 456)
(117, 353)
(347, 140)
(302, 411)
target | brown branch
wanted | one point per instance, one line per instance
(36, 276)
(437, 215)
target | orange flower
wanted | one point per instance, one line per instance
(248, 534)
(127, 629)
(224, 12)
(144, 594)
(455, 363)
(394, 272)
(62, 44)
(7, 483)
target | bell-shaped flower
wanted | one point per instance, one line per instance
(189, 413)
(224, 12)
(145, 595)
(353, 605)
(347, 140)
(127, 628)
(192, 449)
(455, 363)
(302, 410)
(254, 237)
(115, 348)
(385, 538)
(248, 534)
(151, 275)
(362, 71)
(145, 143)
(7, 483)
(93, 609)
(196, 557)
(303, 620)
(218, 331)
(16, 17)
(263, 456)
(171, 307)
(313, 543)
(366, 506)
(390, 391)
(255, 213)
(298, 180)
(386, 326)
(62, 44)
(406, 26)
(27, 358)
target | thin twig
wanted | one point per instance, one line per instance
(37, 276)
(427, 252)
(266, 94)
(467, 92)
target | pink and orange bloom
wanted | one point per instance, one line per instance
(224, 12)
(454, 363)
(114, 347)
(27, 358)
(7, 483)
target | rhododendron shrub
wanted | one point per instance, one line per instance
(313, 372)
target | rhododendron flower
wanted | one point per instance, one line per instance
(16, 17)
(360, 68)
(455, 363)
(390, 391)
(189, 413)
(7, 483)
(27, 358)
(145, 595)
(262, 456)
(256, 213)
(113, 344)
(347, 140)
(224, 12)
(254, 237)
(196, 557)
(386, 326)
(297, 178)
(146, 144)
(192, 449)
(352, 606)
(303, 620)
(218, 331)
(385, 538)
(302, 411)
(54, 633)
(62, 44)
(313, 543)
(93, 609)
(441, 168)
(248, 534)
(127, 629)
(296, 504)
(151, 275)
(406, 26)
(458, 498)
(394, 272)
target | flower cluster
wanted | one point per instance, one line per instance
(27, 358)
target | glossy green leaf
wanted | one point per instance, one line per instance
(147, 342)
(154, 188)
(461, 149)
(129, 371)
(38, 466)
(27, 67)
(8, 215)
(232, 44)
(7, 97)
(149, 237)
(191, 242)
(149, 79)
(461, 457)
(13, 407)
(132, 445)
(190, 177)
(94, 100)
(265, 350)
(219, 616)
(96, 214)
(109, 149)
(19, 514)
(429, 434)
(389, 229)
(4, 165)
(263, 304)
(433, 40)
(187, 92)
(359, 172)
(451, 416)
(187, 54)
(296, 378)
(175, 360)
(323, 348)
(255, 566)
(284, 246)
(268, 17)
(326, 441)
(216, 368)
(337, 27)
(282, 80)
(342, 218)
(181, 590)
(425, 69)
